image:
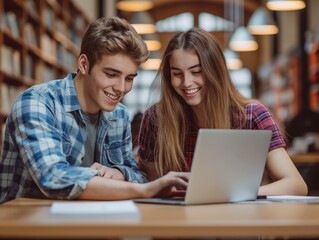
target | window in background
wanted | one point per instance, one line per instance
(142, 95)
(212, 23)
(180, 22)
(242, 80)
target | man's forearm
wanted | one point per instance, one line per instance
(99, 188)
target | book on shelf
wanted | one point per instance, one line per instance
(14, 92)
(9, 93)
(4, 23)
(30, 36)
(71, 61)
(48, 18)
(61, 53)
(5, 62)
(5, 105)
(28, 67)
(16, 63)
(62, 28)
(13, 23)
(10, 61)
(32, 8)
(48, 46)
(49, 74)
(77, 29)
(38, 72)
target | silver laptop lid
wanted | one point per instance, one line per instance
(228, 165)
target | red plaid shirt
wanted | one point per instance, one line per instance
(257, 117)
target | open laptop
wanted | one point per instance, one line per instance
(227, 166)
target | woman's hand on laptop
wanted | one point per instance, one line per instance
(173, 184)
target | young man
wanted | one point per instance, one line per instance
(71, 138)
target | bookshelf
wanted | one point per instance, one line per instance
(314, 74)
(39, 41)
(281, 88)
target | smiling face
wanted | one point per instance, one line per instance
(106, 83)
(186, 77)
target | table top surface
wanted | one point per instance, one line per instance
(305, 158)
(32, 218)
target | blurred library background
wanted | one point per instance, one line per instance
(271, 48)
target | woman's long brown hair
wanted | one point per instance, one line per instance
(222, 100)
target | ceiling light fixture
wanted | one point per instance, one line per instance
(152, 42)
(143, 23)
(233, 61)
(262, 23)
(285, 5)
(153, 62)
(134, 5)
(242, 41)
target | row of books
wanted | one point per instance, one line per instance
(66, 57)
(44, 73)
(53, 49)
(34, 69)
(10, 61)
(72, 31)
(10, 22)
(30, 36)
(9, 93)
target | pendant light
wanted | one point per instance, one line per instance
(262, 23)
(285, 5)
(153, 62)
(242, 40)
(134, 5)
(143, 23)
(233, 61)
(152, 42)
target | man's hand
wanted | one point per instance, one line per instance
(110, 173)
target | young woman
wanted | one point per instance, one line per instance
(196, 92)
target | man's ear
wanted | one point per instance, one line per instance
(83, 64)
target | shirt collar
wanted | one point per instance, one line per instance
(71, 99)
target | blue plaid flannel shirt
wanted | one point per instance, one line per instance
(44, 144)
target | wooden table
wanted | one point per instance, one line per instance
(308, 166)
(25, 218)
(305, 158)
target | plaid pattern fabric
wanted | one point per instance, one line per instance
(44, 144)
(258, 117)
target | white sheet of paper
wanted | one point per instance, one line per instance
(293, 198)
(114, 208)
